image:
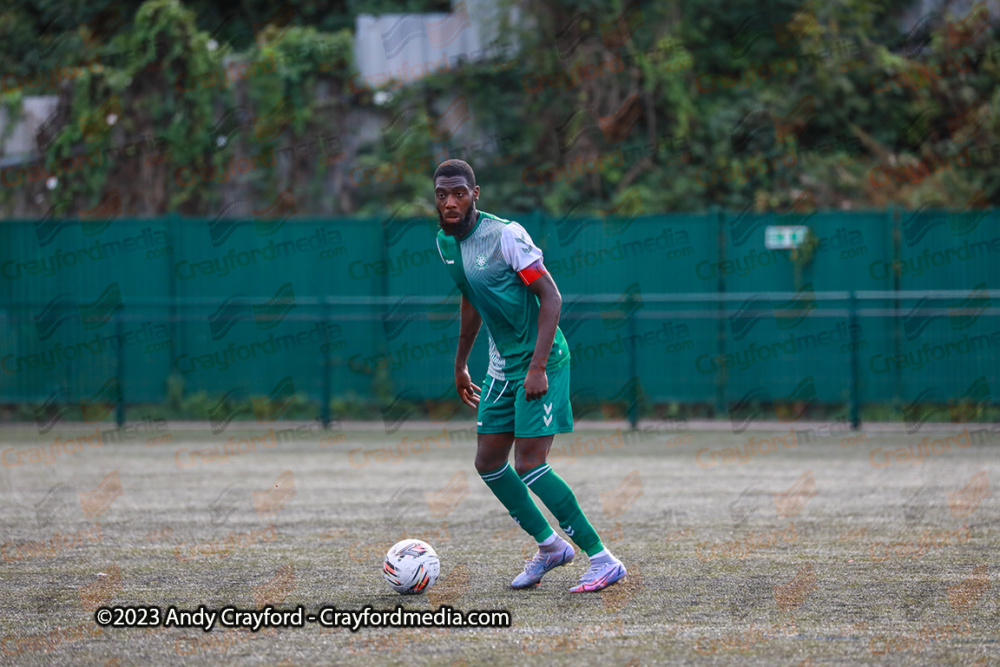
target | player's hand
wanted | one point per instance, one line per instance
(468, 392)
(536, 384)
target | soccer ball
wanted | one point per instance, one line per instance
(411, 567)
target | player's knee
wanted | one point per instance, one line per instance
(486, 463)
(523, 464)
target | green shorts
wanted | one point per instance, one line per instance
(503, 408)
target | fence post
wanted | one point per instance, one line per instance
(171, 226)
(720, 376)
(120, 370)
(897, 377)
(852, 328)
(324, 407)
(633, 405)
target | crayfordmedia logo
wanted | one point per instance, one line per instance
(100, 592)
(437, 33)
(50, 547)
(787, 315)
(451, 586)
(223, 547)
(617, 315)
(751, 595)
(931, 400)
(96, 502)
(750, 30)
(794, 593)
(618, 31)
(50, 129)
(744, 641)
(232, 33)
(620, 217)
(50, 41)
(925, 218)
(789, 503)
(614, 127)
(440, 315)
(918, 453)
(276, 589)
(967, 123)
(359, 458)
(745, 452)
(107, 398)
(50, 639)
(265, 315)
(58, 503)
(617, 126)
(229, 406)
(270, 408)
(395, 227)
(269, 502)
(920, 35)
(94, 127)
(795, 121)
(748, 127)
(573, 222)
(966, 30)
(787, 409)
(747, 223)
(441, 503)
(404, 405)
(966, 220)
(270, 125)
(962, 503)
(63, 307)
(230, 500)
(52, 410)
(741, 548)
(103, 25)
(235, 120)
(444, 126)
(580, 26)
(965, 594)
(846, 338)
(401, 126)
(617, 501)
(750, 500)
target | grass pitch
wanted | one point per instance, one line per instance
(759, 548)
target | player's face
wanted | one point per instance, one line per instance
(456, 203)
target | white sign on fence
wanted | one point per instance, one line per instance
(783, 237)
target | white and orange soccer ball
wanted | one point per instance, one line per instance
(411, 567)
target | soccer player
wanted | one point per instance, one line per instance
(499, 271)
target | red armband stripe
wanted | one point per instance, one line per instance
(530, 274)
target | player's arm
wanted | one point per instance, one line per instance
(536, 382)
(468, 330)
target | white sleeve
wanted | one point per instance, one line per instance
(519, 251)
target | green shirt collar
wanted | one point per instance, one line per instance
(479, 219)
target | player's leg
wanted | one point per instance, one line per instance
(537, 422)
(496, 434)
(495, 423)
(531, 465)
(491, 461)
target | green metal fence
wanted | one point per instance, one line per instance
(881, 307)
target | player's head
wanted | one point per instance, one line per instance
(455, 194)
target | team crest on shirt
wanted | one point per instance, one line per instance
(481, 261)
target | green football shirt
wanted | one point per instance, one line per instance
(485, 264)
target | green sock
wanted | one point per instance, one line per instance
(511, 491)
(559, 498)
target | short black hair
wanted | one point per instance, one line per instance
(456, 168)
